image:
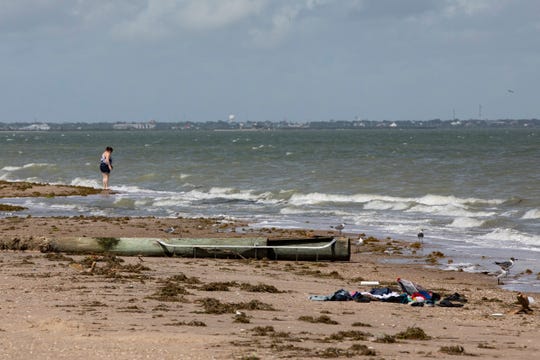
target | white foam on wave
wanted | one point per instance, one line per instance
(466, 267)
(531, 214)
(384, 205)
(135, 190)
(433, 200)
(85, 182)
(511, 237)
(25, 166)
(298, 211)
(185, 198)
(233, 194)
(465, 222)
(317, 198)
(427, 200)
(452, 210)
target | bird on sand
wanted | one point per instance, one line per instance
(502, 273)
(505, 268)
(340, 228)
(169, 230)
(421, 235)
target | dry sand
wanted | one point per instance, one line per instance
(94, 307)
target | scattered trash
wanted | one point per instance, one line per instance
(524, 302)
(369, 283)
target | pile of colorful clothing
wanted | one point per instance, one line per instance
(411, 293)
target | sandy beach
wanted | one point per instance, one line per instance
(61, 306)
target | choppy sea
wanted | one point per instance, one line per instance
(475, 192)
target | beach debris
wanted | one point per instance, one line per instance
(169, 230)
(369, 283)
(241, 317)
(452, 350)
(411, 293)
(524, 302)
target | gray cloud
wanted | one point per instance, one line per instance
(301, 59)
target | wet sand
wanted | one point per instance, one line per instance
(63, 306)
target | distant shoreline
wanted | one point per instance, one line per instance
(250, 125)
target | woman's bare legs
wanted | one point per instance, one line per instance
(105, 181)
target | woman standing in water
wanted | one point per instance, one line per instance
(105, 166)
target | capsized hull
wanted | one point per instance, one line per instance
(310, 249)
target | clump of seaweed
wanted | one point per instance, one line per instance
(263, 330)
(113, 267)
(361, 349)
(260, 288)
(218, 286)
(183, 323)
(412, 333)
(434, 257)
(182, 278)
(355, 349)
(242, 318)
(58, 257)
(358, 323)
(214, 306)
(255, 305)
(7, 208)
(323, 319)
(333, 274)
(349, 334)
(170, 291)
(452, 350)
(386, 339)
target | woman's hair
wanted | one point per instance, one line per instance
(108, 148)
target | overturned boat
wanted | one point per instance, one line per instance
(306, 249)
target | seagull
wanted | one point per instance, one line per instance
(169, 230)
(506, 265)
(510, 91)
(340, 228)
(421, 235)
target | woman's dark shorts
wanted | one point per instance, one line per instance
(104, 168)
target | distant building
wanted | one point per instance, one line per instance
(135, 125)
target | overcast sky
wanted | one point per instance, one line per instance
(299, 60)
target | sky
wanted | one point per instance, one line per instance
(268, 60)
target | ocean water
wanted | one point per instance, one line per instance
(475, 192)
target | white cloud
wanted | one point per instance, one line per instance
(472, 7)
(283, 21)
(212, 14)
(163, 17)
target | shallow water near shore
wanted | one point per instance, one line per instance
(474, 192)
